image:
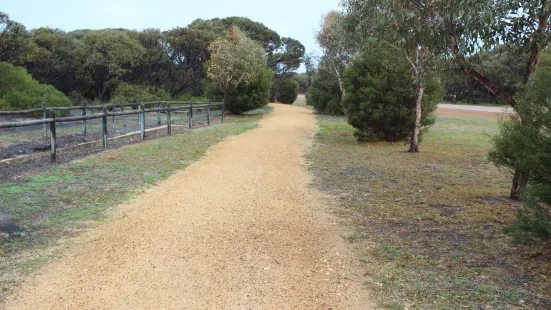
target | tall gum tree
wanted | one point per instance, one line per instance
(337, 49)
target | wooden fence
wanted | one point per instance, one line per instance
(49, 116)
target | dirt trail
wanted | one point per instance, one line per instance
(240, 229)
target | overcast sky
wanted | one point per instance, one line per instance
(297, 19)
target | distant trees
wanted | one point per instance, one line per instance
(92, 64)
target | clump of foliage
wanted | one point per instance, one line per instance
(288, 91)
(380, 96)
(19, 91)
(251, 95)
(235, 59)
(130, 93)
(325, 94)
(523, 145)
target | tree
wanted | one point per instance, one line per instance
(15, 43)
(251, 95)
(465, 27)
(53, 59)
(288, 90)
(381, 96)
(406, 25)
(525, 144)
(235, 60)
(18, 90)
(325, 93)
(104, 58)
(338, 51)
(188, 51)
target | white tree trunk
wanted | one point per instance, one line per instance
(414, 147)
(420, 89)
(343, 91)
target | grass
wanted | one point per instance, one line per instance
(64, 200)
(301, 102)
(428, 227)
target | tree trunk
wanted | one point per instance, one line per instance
(343, 92)
(520, 179)
(477, 76)
(414, 146)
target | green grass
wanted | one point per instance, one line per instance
(428, 227)
(301, 102)
(62, 201)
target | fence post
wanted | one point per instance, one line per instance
(142, 121)
(158, 114)
(53, 149)
(190, 114)
(104, 123)
(223, 109)
(208, 115)
(169, 126)
(44, 128)
(114, 110)
(84, 121)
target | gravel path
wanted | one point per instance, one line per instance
(240, 229)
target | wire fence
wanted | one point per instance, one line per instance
(88, 123)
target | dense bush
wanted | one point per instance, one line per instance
(288, 91)
(131, 93)
(19, 91)
(324, 94)
(524, 144)
(252, 95)
(380, 96)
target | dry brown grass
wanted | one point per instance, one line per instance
(429, 226)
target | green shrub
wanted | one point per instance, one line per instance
(380, 96)
(288, 91)
(19, 91)
(324, 94)
(252, 95)
(132, 93)
(524, 144)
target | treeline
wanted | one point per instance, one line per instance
(386, 64)
(130, 65)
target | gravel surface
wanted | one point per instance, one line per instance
(240, 229)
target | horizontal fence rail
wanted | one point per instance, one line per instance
(165, 107)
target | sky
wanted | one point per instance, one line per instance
(297, 19)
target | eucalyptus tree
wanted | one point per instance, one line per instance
(234, 60)
(15, 40)
(407, 25)
(104, 59)
(338, 50)
(463, 27)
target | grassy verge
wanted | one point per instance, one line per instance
(62, 201)
(428, 227)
